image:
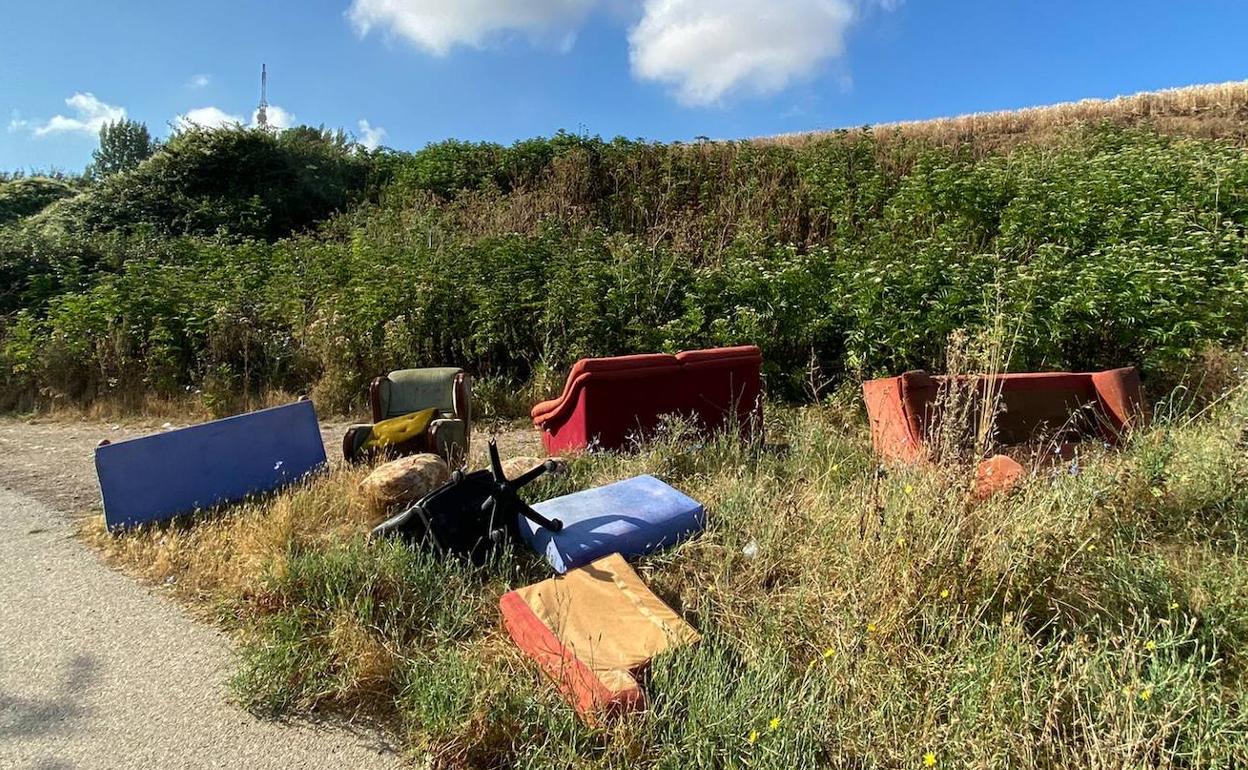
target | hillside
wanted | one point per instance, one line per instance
(1213, 111)
(236, 262)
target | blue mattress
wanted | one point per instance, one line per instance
(631, 517)
(166, 474)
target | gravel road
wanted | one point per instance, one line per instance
(96, 671)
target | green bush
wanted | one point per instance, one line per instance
(854, 255)
(231, 181)
(30, 195)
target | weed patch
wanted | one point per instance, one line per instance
(851, 618)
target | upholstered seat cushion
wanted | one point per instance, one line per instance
(592, 630)
(631, 517)
(398, 430)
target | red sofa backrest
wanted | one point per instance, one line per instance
(609, 399)
(721, 384)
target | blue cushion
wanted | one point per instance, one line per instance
(630, 517)
(159, 476)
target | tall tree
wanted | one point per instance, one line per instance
(124, 144)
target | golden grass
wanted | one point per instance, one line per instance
(875, 617)
(207, 558)
(144, 406)
(1218, 110)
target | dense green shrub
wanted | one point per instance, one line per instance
(30, 195)
(233, 181)
(852, 255)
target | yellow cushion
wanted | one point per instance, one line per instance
(398, 430)
(608, 618)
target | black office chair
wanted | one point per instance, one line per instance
(472, 514)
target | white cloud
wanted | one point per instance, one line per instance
(275, 116)
(436, 26)
(706, 50)
(17, 122)
(199, 81)
(90, 115)
(215, 117)
(207, 117)
(371, 136)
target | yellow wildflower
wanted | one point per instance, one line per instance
(871, 628)
(1091, 546)
(774, 724)
(1150, 645)
(929, 759)
(1174, 605)
(1146, 693)
(944, 593)
(828, 653)
(909, 489)
(753, 737)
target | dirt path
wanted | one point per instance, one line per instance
(99, 671)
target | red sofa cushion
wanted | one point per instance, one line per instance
(606, 400)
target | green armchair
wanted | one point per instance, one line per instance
(446, 389)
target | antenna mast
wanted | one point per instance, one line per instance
(262, 112)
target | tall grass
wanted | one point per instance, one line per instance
(1096, 617)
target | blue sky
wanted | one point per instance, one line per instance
(423, 70)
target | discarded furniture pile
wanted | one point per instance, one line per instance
(594, 625)
(596, 615)
(1049, 412)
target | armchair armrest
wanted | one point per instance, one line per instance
(1122, 399)
(557, 410)
(448, 438)
(375, 396)
(461, 398)
(542, 408)
(353, 439)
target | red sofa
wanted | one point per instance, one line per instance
(608, 400)
(1097, 405)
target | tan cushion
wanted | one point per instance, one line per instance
(598, 620)
(402, 482)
